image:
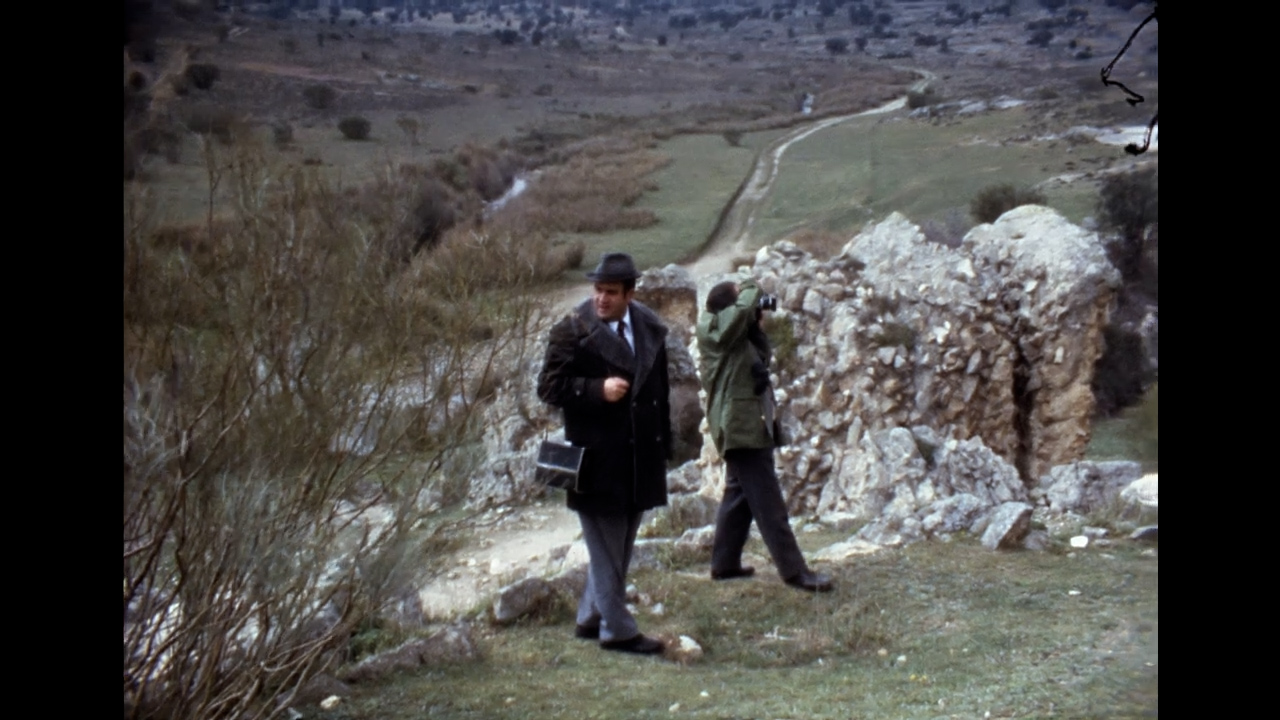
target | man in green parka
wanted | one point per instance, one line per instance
(733, 365)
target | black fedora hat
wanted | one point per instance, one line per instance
(614, 267)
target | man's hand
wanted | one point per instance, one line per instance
(615, 388)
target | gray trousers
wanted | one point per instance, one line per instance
(610, 540)
(752, 492)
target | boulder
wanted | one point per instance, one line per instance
(1009, 524)
(1086, 486)
(521, 598)
(450, 645)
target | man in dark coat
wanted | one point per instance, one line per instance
(733, 366)
(606, 369)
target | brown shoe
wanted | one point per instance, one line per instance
(740, 572)
(639, 645)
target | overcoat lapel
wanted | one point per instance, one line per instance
(605, 342)
(648, 342)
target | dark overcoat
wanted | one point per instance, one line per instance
(629, 441)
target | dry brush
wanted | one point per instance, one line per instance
(299, 403)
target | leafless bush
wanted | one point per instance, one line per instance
(995, 200)
(209, 119)
(949, 230)
(319, 96)
(355, 127)
(590, 193)
(203, 75)
(290, 408)
(409, 125)
(483, 170)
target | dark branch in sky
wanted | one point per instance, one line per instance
(1133, 97)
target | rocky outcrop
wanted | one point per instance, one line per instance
(1086, 487)
(921, 372)
(926, 386)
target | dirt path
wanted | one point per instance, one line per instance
(733, 238)
(504, 545)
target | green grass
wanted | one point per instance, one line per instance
(861, 170)
(980, 631)
(692, 190)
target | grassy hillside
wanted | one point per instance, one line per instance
(860, 171)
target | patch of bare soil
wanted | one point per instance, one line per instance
(503, 545)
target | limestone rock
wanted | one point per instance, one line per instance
(685, 650)
(1086, 486)
(844, 550)
(1057, 281)
(1143, 491)
(450, 645)
(520, 598)
(697, 538)
(1009, 524)
(953, 514)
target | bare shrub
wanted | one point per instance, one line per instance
(836, 45)
(355, 127)
(593, 191)
(319, 96)
(282, 133)
(572, 255)
(733, 137)
(409, 125)
(921, 98)
(290, 411)
(433, 214)
(221, 122)
(949, 230)
(995, 200)
(203, 75)
(488, 172)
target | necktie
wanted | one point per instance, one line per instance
(622, 332)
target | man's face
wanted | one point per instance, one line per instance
(611, 300)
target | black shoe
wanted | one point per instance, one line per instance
(740, 572)
(811, 581)
(639, 645)
(586, 633)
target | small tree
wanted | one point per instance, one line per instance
(1129, 204)
(410, 127)
(995, 200)
(203, 75)
(319, 96)
(837, 45)
(354, 127)
(1041, 38)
